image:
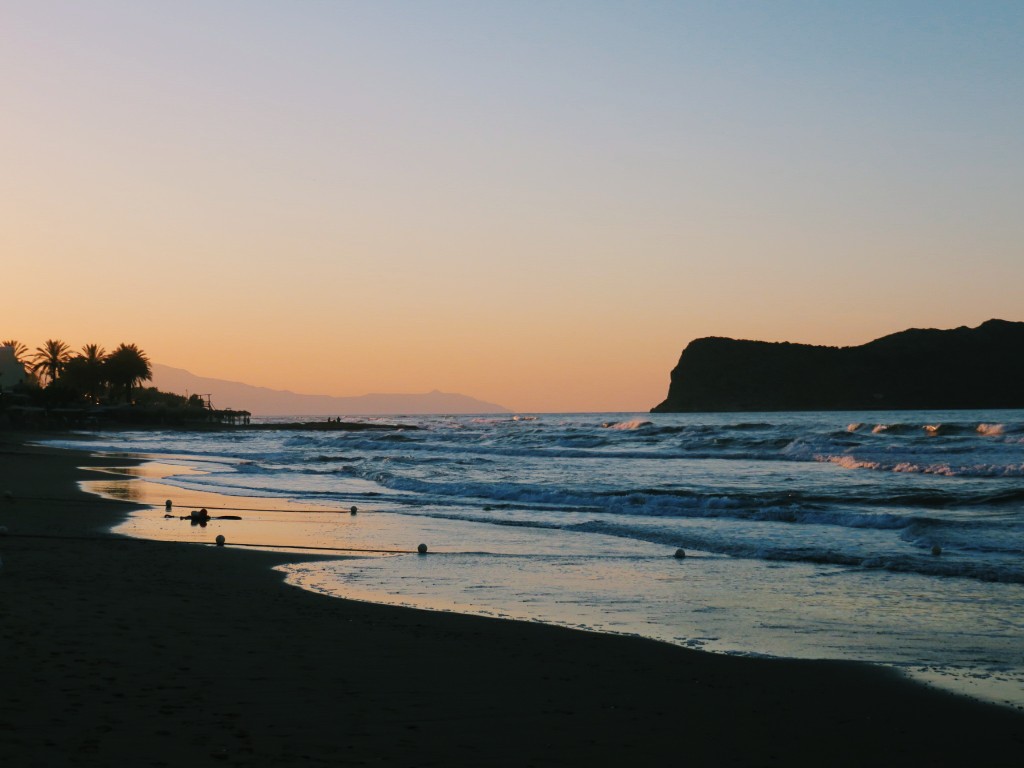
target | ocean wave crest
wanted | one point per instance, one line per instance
(848, 461)
(627, 425)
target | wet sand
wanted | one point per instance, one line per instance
(117, 651)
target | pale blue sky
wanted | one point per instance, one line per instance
(536, 203)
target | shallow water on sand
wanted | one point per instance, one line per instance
(807, 535)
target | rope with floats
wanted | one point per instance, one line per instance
(131, 540)
(221, 541)
(72, 500)
(202, 516)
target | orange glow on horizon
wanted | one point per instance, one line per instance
(540, 213)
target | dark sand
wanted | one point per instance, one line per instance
(118, 652)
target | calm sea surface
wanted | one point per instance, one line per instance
(894, 538)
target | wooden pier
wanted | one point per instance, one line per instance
(225, 415)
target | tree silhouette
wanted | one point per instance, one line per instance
(50, 359)
(86, 372)
(126, 366)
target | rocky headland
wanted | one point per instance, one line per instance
(964, 367)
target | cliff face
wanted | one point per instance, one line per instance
(979, 367)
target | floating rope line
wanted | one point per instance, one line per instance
(363, 550)
(133, 540)
(679, 553)
(325, 549)
(157, 506)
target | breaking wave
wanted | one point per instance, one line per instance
(631, 424)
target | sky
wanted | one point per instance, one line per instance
(537, 204)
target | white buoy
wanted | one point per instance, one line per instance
(680, 554)
(220, 540)
(936, 550)
(353, 509)
(422, 549)
(168, 505)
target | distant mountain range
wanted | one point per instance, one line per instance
(262, 401)
(922, 369)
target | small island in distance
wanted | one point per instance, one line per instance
(916, 369)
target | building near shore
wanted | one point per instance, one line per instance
(12, 372)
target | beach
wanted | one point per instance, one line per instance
(126, 651)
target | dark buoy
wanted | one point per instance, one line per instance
(422, 549)
(199, 517)
(168, 505)
(680, 554)
(3, 530)
(353, 509)
(220, 540)
(936, 550)
(8, 495)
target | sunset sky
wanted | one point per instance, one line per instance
(538, 204)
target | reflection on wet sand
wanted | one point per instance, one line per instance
(250, 521)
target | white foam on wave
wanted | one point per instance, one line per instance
(854, 426)
(928, 469)
(990, 429)
(936, 468)
(626, 425)
(878, 428)
(849, 462)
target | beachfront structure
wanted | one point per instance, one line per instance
(225, 415)
(230, 416)
(12, 372)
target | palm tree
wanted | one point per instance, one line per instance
(20, 350)
(126, 366)
(86, 371)
(51, 358)
(94, 354)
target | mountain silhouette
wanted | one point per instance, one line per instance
(262, 401)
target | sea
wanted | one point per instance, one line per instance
(893, 538)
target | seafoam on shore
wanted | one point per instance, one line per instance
(895, 538)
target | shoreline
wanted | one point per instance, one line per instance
(285, 524)
(201, 654)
